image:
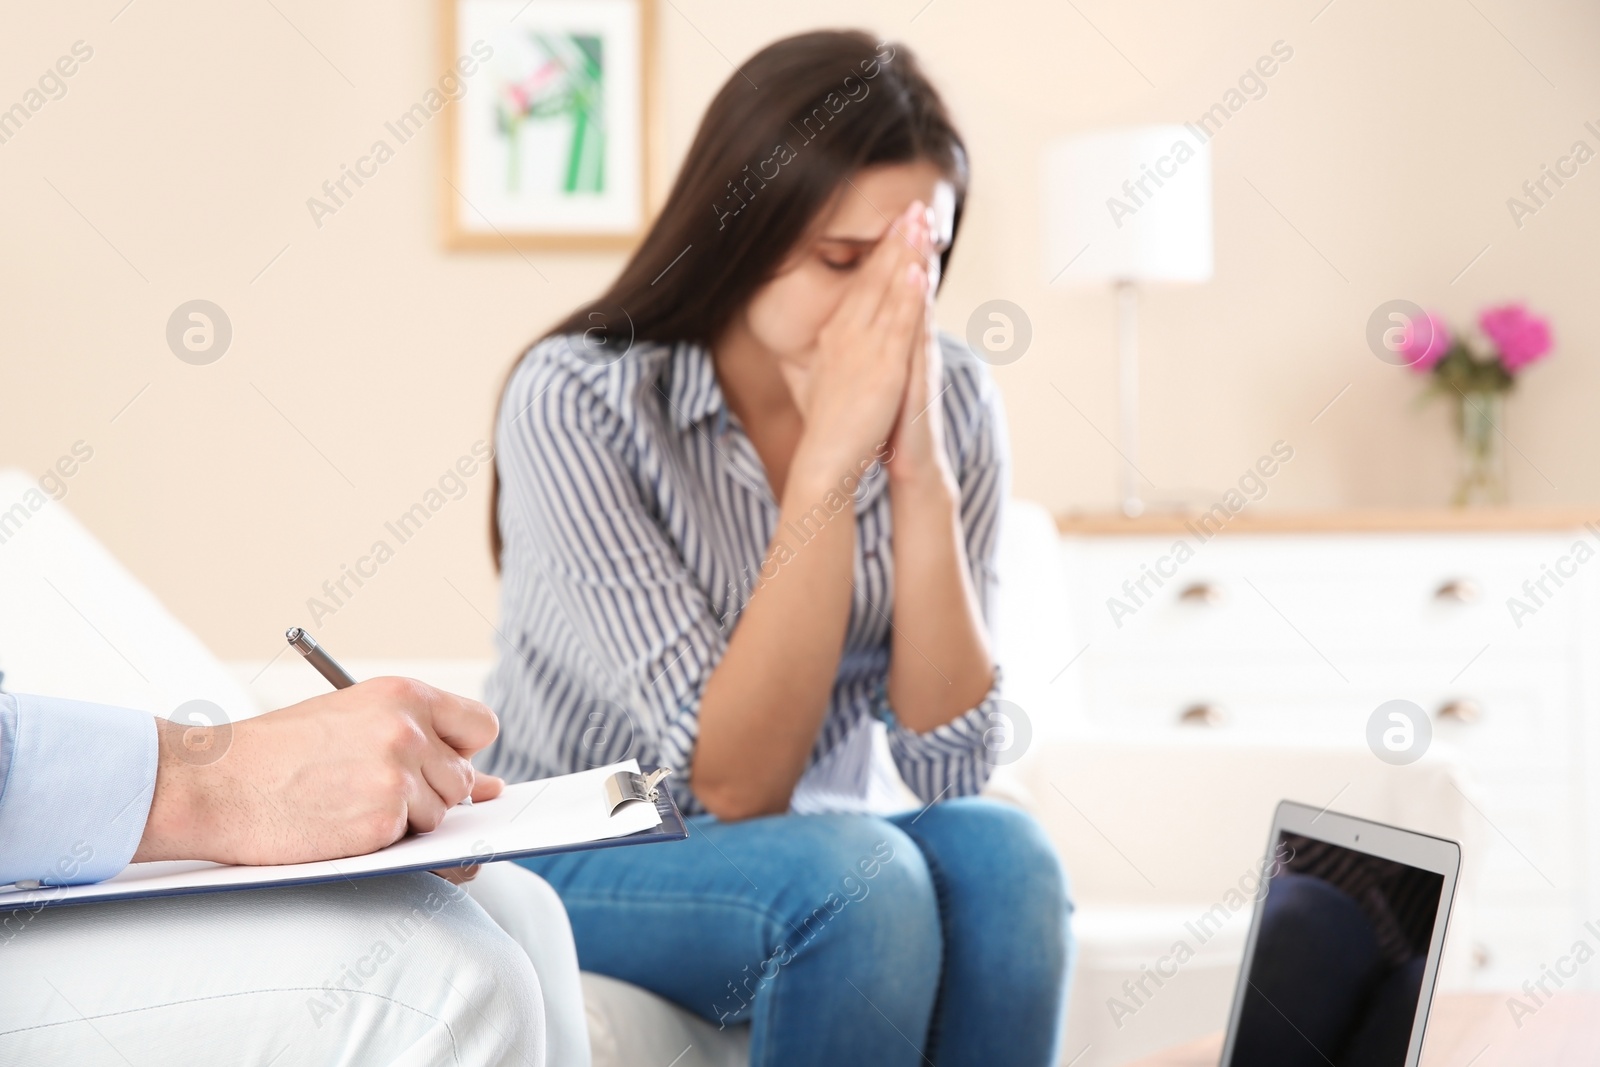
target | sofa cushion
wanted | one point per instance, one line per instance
(78, 624)
(629, 1026)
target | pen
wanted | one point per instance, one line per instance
(318, 657)
(325, 664)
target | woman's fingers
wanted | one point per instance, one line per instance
(884, 267)
(903, 309)
(913, 392)
(917, 380)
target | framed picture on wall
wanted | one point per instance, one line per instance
(548, 144)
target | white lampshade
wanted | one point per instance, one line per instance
(1128, 205)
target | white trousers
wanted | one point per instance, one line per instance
(406, 970)
(525, 907)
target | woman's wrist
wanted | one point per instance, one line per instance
(929, 482)
(821, 464)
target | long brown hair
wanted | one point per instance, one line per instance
(780, 137)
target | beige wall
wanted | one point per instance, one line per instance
(189, 143)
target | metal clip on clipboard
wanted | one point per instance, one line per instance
(626, 785)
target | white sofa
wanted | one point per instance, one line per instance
(1143, 855)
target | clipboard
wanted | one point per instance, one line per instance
(620, 788)
(606, 807)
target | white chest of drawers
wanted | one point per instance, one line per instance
(1295, 629)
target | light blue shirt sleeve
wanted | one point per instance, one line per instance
(76, 784)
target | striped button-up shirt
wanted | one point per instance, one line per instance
(636, 516)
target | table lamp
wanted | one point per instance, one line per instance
(1126, 207)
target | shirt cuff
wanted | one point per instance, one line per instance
(955, 759)
(77, 790)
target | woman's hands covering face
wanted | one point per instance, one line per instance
(858, 385)
(918, 441)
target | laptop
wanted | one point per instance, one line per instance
(1344, 946)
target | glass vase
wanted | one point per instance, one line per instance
(1479, 419)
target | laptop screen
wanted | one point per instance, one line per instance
(1339, 957)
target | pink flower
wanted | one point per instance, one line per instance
(1425, 343)
(1522, 338)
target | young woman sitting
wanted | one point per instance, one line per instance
(746, 517)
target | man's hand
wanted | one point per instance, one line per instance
(338, 775)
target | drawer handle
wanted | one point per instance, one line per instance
(1201, 593)
(1202, 715)
(1462, 711)
(1459, 590)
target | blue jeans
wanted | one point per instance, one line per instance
(939, 936)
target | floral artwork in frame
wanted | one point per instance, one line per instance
(548, 148)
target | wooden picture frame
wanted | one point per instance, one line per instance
(551, 145)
